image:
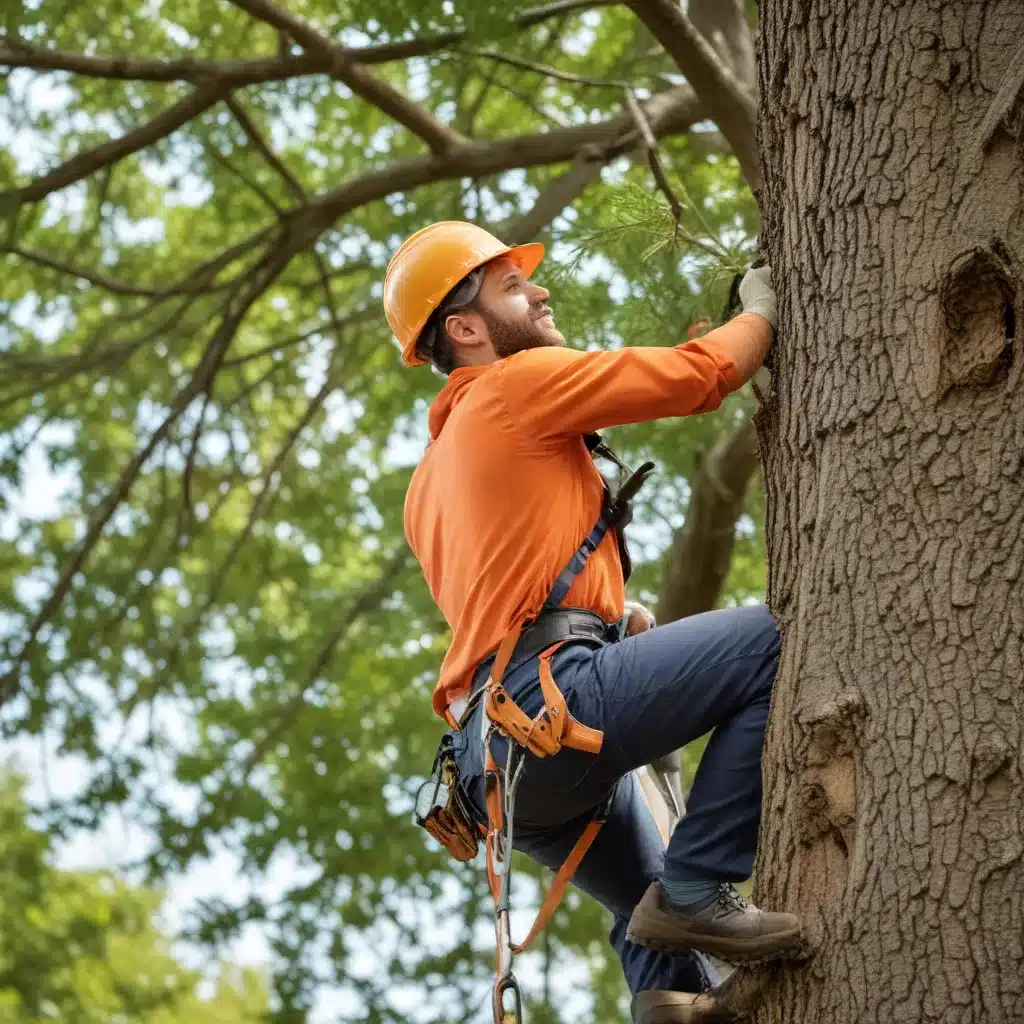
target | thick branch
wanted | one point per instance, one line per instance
(559, 194)
(439, 137)
(724, 24)
(109, 153)
(728, 102)
(141, 69)
(698, 560)
(20, 54)
(668, 113)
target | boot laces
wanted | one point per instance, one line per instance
(729, 899)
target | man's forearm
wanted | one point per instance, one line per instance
(760, 318)
(748, 343)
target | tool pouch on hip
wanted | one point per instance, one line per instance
(442, 809)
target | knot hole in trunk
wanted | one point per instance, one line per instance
(979, 306)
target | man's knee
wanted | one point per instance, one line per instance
(762, 636)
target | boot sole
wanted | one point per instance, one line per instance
(671, 1015)
(782, 946)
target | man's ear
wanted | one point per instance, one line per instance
(465, 328)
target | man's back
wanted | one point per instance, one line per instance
(493, 514)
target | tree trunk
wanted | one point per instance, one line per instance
(893, 203)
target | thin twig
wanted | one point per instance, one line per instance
(540, 69)
(255, 136)
(653, 156)
(244, 178)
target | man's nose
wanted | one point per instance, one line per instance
(538, 293)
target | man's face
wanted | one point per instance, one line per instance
(515, 311)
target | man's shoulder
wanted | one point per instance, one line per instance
(528, 359)
(533, 365)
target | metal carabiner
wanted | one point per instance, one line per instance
(508, 1014)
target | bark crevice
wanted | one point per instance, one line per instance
(978, 299)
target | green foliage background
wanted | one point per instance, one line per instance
(81, 947)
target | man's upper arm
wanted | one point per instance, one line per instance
(556, 392)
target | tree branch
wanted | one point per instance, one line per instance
(109, 284)
(669, 112)
(81, 166)
(347, 621)
(698, 560)
(214, 153)
(672, 111)
(199, 381)
(535, 15)
(255, 137)
(724, 24)
(234, 73)
(363, 315)
(729, 103)
(556, 196)
(439, 137)
(541, 69)
(20, 54)
(253, 134)
(653, 156)
(527, 101)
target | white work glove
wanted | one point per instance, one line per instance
(758, 296)
(638, 618)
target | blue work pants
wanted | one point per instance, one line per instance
(650, 694)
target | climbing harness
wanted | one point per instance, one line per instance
(439, 809)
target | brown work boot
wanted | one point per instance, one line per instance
(724, 925)
(659, 1007)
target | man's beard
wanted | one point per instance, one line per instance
(511, 336)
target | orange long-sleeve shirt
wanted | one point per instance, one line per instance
(507, 489)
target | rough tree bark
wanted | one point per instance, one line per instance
(892, 141)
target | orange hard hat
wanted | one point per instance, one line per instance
(430, 263)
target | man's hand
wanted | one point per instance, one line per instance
(758, 296)
(638, 618)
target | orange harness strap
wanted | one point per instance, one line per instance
(562, 879)
(553, 728)
(544, 735)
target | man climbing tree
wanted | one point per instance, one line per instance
(495, 513)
